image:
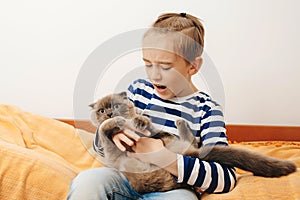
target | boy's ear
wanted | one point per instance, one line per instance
(196, 65)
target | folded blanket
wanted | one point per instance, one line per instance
(40, 156)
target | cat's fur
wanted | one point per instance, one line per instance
(111, 114)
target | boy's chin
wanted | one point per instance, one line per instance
(166, 95)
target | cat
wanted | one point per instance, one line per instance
(111, 114)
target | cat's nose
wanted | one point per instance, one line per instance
(109, 115)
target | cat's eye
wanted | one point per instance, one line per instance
(116, 106)
(101, 111)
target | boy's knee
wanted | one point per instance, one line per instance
(97, 176)
(94, 183)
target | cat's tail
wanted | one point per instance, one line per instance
(258, 164)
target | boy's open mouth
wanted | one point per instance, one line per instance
(160, 88)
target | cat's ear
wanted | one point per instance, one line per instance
(92, 105)
(123, 95)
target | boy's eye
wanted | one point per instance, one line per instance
(165, 67)
(101, 111)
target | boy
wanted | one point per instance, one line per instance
(172, 51)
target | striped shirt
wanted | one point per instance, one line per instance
(204, 117)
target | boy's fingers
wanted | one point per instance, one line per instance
(119, 138)
(119, 144)
(131, 134)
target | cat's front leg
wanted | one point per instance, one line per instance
(112, 126)
(112, 154)
(143, 123)
(185, 132)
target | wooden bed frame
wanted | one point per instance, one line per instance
(235, 133)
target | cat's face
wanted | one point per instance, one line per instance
(111, 106)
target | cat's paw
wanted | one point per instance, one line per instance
(185, 132)
(141, 122)
(112, 126)
(180, 122)
(120, 122)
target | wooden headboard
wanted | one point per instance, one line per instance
(238, 133)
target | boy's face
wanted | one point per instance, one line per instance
(168, 72)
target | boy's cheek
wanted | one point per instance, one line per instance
(176, 83)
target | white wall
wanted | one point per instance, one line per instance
(254, 44)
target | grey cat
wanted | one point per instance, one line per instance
(111, 114)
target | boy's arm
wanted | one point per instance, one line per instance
(210, 177)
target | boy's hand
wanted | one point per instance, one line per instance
(128, 136)
(147, 150)
(148, 145)
(152, 150)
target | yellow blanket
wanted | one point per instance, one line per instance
(40, 157)
(254, 187)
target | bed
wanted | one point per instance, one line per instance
(40, 156)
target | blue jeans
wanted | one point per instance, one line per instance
(109, 183)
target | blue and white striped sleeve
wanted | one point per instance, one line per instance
(210, 177)
(97, 145)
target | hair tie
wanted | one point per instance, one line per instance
(183, 14)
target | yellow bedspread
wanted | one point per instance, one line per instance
(260, 188)
(40, 157)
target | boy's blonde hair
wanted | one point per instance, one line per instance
(187, 29)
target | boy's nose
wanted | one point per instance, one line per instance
(155, 74)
